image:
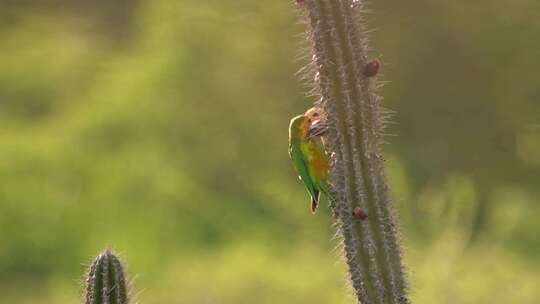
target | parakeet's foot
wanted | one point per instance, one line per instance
(332, 158)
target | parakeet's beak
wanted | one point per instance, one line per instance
(317, 128)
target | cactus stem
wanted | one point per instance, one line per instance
(105, 281)
(347, 85)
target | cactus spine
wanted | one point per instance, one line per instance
(346, 82)
(105, 281)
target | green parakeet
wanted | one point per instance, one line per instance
(308, 156)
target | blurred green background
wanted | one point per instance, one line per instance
(160, 128)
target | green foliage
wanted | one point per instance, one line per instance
(160, 128)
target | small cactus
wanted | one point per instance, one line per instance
(105, 281)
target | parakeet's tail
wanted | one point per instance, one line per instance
(315, 202)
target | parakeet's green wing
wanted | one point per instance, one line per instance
(300, 165)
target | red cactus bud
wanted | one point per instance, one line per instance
(372, 68)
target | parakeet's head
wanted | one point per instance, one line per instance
(317, 122)
(311, 123)
(315, 114)
(299, 127)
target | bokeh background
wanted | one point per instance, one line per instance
(159, 128)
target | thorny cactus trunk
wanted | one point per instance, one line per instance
(105, 282)
(345, 81)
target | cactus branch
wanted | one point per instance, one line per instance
(346, 82)
(105, 282)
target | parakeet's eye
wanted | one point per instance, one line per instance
(315, 114)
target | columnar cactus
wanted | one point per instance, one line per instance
(105, 282)
(346, 82)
